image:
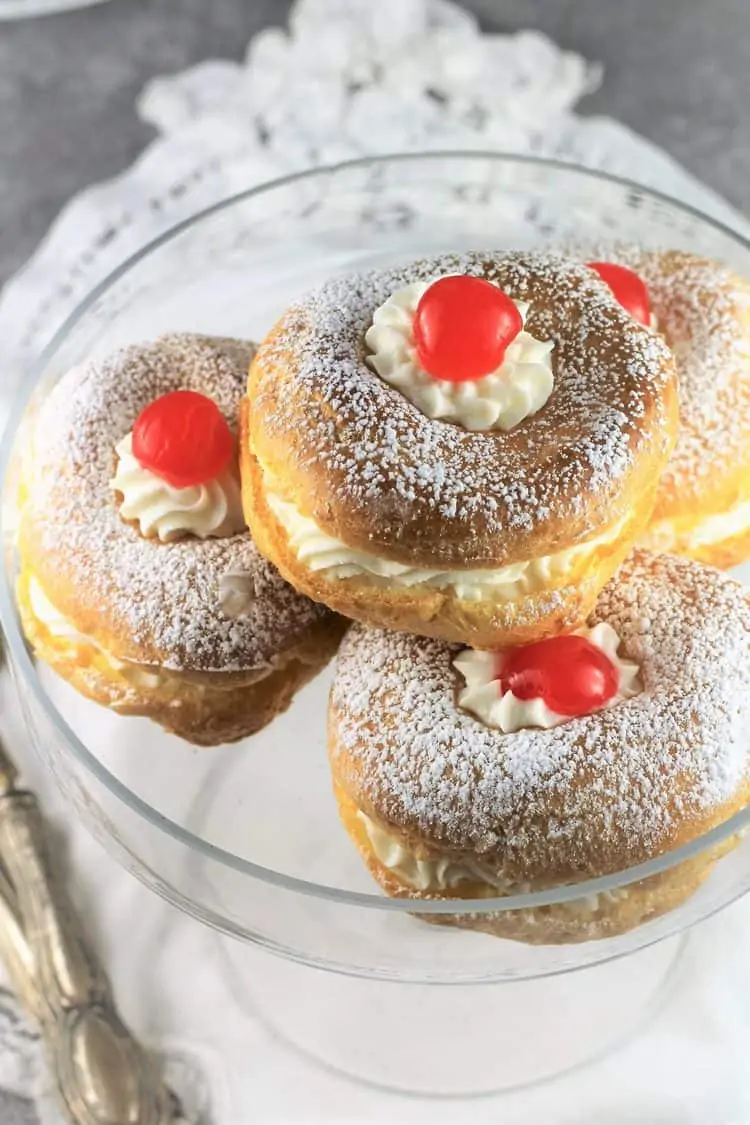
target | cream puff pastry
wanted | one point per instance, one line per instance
(468, 775)
(139, 582)
(465, 447)
(702, 309)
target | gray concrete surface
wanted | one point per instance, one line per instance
(676, 70)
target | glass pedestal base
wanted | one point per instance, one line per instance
(454, 1040)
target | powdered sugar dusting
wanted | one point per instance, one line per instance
(165, 596)
(620, 782)
(376, 453)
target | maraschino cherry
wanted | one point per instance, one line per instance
(462, 328)
(571, 675)
(627, 288)
(183, 438)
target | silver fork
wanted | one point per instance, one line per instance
(101, 1074)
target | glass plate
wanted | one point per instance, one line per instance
(247, 837)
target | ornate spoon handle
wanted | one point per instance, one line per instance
(102, 1075)
(15, 951)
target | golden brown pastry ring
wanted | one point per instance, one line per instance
(702, 309)
(133, 623)
(488, 814)
(560, 498)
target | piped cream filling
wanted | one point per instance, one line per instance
(440, 874)
(498, 401)
(665, 535)
(482, 693)
(60, 627)
(212, 510)
(323, 553)
(443, 874)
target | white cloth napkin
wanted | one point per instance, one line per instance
(348, 78)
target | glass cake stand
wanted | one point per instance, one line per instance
(247, 838)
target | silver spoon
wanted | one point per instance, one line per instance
(101, 1074)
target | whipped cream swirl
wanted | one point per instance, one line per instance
(498, 401)
(212, 510)
(483, 696)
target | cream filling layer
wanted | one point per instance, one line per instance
(321, 552)
(483, 696)
(665, 535)
(444, 874)
(57, 625)
(440, 874)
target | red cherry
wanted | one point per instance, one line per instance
(183, 438)
(627, 288)
(462, 327)
(571, 675)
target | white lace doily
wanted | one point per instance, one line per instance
(348, 78)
